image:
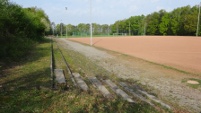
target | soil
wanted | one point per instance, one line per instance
(164, 82)
(179, 52)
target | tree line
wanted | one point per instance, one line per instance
(181, 21)
(81, 29)
(20, 29)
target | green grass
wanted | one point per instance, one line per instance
(21, 82)
(26, 86)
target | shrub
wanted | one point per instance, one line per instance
(20, 28)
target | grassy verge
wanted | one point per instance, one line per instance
(26, 86)
(22, 82)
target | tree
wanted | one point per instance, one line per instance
(190, 25)
(83, 29)
(105, 29)
(70, 29)
(175, 17)
(136, 25)
(164, 27)
(153, 21)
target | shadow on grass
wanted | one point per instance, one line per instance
(37, 79)
(28, 93)
(25, 85)
(39, 51)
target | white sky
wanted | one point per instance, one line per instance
(103, 11)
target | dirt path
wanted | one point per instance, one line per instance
(166, 83)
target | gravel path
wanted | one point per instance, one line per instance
(166, 83)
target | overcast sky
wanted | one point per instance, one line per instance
(103, 11)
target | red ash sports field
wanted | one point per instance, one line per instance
(176, 51)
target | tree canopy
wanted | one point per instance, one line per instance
(181, 21)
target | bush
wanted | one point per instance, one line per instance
(20, 29)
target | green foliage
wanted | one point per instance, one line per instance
(153, 23)
(20, 29)
(164, 25)
(180, 21)
(82, 29)
(135, 24)
(190, 25)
